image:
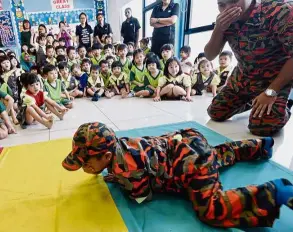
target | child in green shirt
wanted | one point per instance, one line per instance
(167, 51)
(137, 74)
(153, 74)
(97, 52)
(105, 73)
(122, 57)
(118, 82)
(55, 88)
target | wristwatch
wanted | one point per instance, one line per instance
(271, 93)
(158, 20)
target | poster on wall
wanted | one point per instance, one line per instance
(100, 6)
(7, 37)
(1, 5)
(17, 7)
(62, 5)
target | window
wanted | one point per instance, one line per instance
(203, 13)
(148, 28)
(149, 2)
(197, 43)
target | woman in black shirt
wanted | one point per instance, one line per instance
(163, 19)
(84, 32)
(25, 35)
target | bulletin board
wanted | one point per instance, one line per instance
(52, 18)
(7, 36)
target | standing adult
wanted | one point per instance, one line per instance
(130, 29)
(25, 35)
(63, 33)
(84, 32)
(163, 19)
(261, 38)
(102, 29)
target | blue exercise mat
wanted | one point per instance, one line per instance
(167, 213)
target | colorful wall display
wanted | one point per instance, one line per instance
(62, 5)
(54, 17)
(7, 36)
(101, 7)
(17, 7)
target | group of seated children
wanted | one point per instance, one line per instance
(39, 87)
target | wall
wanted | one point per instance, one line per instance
(45, 5)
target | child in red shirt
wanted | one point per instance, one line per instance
(33, 103)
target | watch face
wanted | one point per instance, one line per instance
(269, 92)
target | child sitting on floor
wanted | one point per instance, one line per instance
(72, 58)
(86, 66)
(55, 88)
(144, 45)
(122, 53)
(152, 75)
(201, 56)
(118, 82)
(130, 56)
(137, 74)
(50, 52)
(183, 163)
(167, 51)
(108, 50)
(225, 69)
(110, 60)
(105, 73)
(60, 50)
(5, 124)
(206, 78)
(95, 84)
(34, 102)
(174, 84)
(82, 52)
(131, 47)
(69, 81)
(82, 78)
(97, 52)
(186, 64)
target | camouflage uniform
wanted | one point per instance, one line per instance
(262, 46)
(181, 162)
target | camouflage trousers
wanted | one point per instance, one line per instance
(237, 96)
(251, 206)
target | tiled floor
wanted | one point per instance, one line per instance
(134, 113)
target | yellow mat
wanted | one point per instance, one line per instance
(37, 194)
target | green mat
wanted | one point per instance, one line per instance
(173, 214)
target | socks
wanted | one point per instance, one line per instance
(284, 194)
(267, 144)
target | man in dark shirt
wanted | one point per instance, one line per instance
(130, 28)
(101, 28)
(163, 19)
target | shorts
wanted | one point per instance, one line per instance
(21, 116)
(138, 89)
(64, 102)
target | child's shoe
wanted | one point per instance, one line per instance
(96, 97)
(267, 145)
(131, 94)
(284, 193)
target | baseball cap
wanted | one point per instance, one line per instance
(90, 139)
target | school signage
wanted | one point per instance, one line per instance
(62, 5)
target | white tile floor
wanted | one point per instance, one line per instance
(119, 114)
